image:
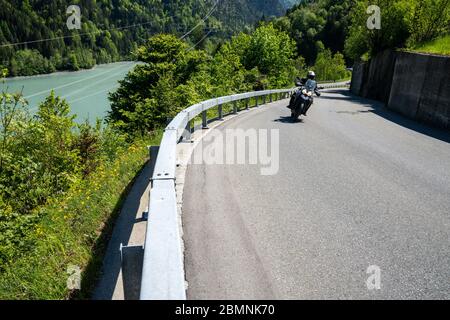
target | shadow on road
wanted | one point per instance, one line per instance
(380, 110)
(353, 113)
(288, 119)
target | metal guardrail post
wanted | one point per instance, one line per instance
(247, 104)
(271, 98)
(187, 134)
(256, 105)
(264, 99)
(153, 153)
(235, 107)
(132, 259)
(204, 120)
(220, 112)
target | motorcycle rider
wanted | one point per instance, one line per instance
(311, 85)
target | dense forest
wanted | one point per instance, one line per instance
(317, 25)
(34, 38)
(341, 26)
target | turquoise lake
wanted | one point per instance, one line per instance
(86, 91)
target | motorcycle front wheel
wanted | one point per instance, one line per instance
(297, 112)
(295, 115)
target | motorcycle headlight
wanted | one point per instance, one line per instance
(304, 91)
(310, 94)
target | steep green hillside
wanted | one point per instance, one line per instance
(341, 26)
(34, 37)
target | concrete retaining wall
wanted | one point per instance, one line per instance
(421, 88)
(357, 78)
(379, 77)
(415, 85)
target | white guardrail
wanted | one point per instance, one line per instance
(163, 265)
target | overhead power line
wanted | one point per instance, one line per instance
(213, 9)
(75, 35)
(195, 45)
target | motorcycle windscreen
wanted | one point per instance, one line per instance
(310, 85)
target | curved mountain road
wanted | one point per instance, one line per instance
(357, 186)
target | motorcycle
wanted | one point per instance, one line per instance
(301, 100)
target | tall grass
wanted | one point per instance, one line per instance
(74, 231)
(437, 46)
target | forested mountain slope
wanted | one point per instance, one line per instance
(34, 37)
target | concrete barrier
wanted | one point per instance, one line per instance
(357, 77)
(379, 76)
(415, 85)
(409, 76)
(434, 103)
(421, 88)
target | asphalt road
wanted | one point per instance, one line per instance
(357, 186)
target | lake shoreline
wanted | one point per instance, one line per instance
(65, 72)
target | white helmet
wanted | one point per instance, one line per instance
(311, 75)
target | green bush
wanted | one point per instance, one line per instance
(330, 67)
(42, 157)
(272, 52)
(145, 98)
(173, 76)
(61, 185)
(72, 230)
(30, 62)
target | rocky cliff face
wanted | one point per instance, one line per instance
(250, 11)
(289, 3)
